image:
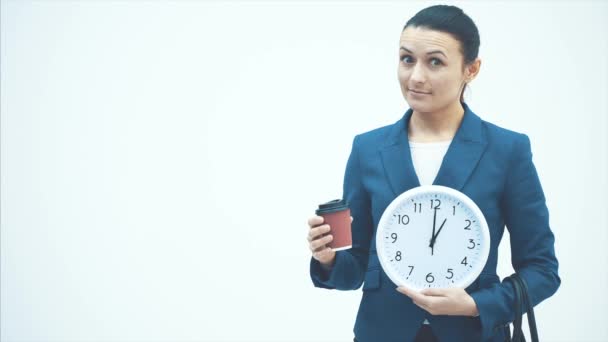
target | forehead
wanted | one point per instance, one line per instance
(420, 39)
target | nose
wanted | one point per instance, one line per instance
(418, 74)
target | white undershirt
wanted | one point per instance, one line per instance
(427, 159)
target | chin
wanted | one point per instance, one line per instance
(428, 105)
(420, 106)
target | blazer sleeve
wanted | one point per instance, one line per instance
(532, 243)
(350, 265)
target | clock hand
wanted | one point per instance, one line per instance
(433, 234)
(436, 235)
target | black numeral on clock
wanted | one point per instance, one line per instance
(468, 227)
(394, 237)
(411, 269)
(451, 274)
(435, 204)
(417, 207)
(464, 261)
(402, 219)
(471, 244)
(430, 278)
(398, 256)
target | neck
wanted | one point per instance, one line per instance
(439, 125)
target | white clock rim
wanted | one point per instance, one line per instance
(475, 271)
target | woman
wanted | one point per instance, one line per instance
(439, 141)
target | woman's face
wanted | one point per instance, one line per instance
(431, 69)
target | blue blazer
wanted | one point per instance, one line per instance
(491, 165)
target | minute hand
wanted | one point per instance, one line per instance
(433, 233)
(434, 238)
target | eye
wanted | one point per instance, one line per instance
(435, 62)
(407, 59)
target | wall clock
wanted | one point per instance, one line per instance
(432, 236)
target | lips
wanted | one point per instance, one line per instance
(419, 92)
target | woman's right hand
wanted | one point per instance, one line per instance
(318, 238)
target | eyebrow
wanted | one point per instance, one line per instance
(428, 53)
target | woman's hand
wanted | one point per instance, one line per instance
(318, 238)
(450, 301)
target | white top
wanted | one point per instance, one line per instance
(427, 159)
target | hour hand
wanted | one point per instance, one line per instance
(434, 238)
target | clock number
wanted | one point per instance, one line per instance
(453, 210)
(430, 278)
(435, 204)
(402, 219)
(451, 274)
(473, 244)
(464, 261)
(417, 207)
(468, 227)
(398, 256)
(411, 269)
(394, 237)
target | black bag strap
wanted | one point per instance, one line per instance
(528, 303)
(522, 305)
(518, 334)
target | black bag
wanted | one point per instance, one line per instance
(522, 301)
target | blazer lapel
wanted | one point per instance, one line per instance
(459, 161)
(397, 159)
(464, 152)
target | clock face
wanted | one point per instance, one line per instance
(432, 236)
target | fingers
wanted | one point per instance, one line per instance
(414, 295)
(443, 301)
(318, 231)
(320, 243)
(434, 292)
(318, 238)
(315, 221)
(418, 298)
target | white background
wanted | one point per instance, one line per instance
(159, 160)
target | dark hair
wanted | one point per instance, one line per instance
(452, 20)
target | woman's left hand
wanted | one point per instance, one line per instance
(450, 301)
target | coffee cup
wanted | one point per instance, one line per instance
(336, 214)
